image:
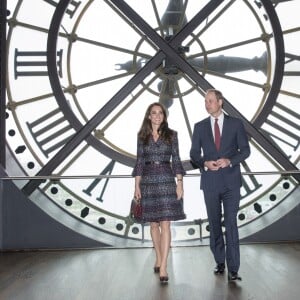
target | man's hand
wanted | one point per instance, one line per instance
(223, 162)
(215, 165)
(211, 165)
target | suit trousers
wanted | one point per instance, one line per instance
(229, 198)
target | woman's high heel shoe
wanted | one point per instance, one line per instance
(163, 279)
(156, 269)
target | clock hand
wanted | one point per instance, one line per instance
(167, 91)
(174, 18)
(230, 64)
(221, 64)
(85, 130)
(171, 22)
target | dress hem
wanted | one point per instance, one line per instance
(164, 219)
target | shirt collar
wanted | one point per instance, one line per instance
(220, 118)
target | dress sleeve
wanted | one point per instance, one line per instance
(176, 161)
(140, 160)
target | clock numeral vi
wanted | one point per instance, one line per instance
(283, 126)
(72, 7)
(34, 63)
(249, 182)
(106, 171)
(50, 132)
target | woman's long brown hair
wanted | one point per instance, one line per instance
(164, 131)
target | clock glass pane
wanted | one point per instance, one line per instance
(247, 49)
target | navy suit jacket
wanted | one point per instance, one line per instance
(234, 146)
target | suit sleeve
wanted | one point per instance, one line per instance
(140, 161)
(196, 149)
(242, 144)
(176, 161)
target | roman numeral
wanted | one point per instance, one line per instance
(72, 7)
(34, 63)
(284, 127)
(249, 182)
(106, 171)
(51, 131)
(290, 60)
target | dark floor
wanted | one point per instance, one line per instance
(269, 271)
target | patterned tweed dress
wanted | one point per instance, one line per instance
(157, 164)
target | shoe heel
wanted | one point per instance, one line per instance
(164, 279)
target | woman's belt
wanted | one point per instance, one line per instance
(156, 162)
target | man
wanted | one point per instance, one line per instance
(218, 147)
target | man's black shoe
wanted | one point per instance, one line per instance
(219, 269)
(233, 276)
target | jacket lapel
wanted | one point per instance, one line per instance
(210, 131)
(224, 130)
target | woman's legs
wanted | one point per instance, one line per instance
(165, 243)
(156, 239)
(161, 238)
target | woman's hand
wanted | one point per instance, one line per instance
(137, 193)
(137, 190)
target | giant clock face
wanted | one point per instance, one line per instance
(82, 73)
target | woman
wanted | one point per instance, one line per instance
(161, 197)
